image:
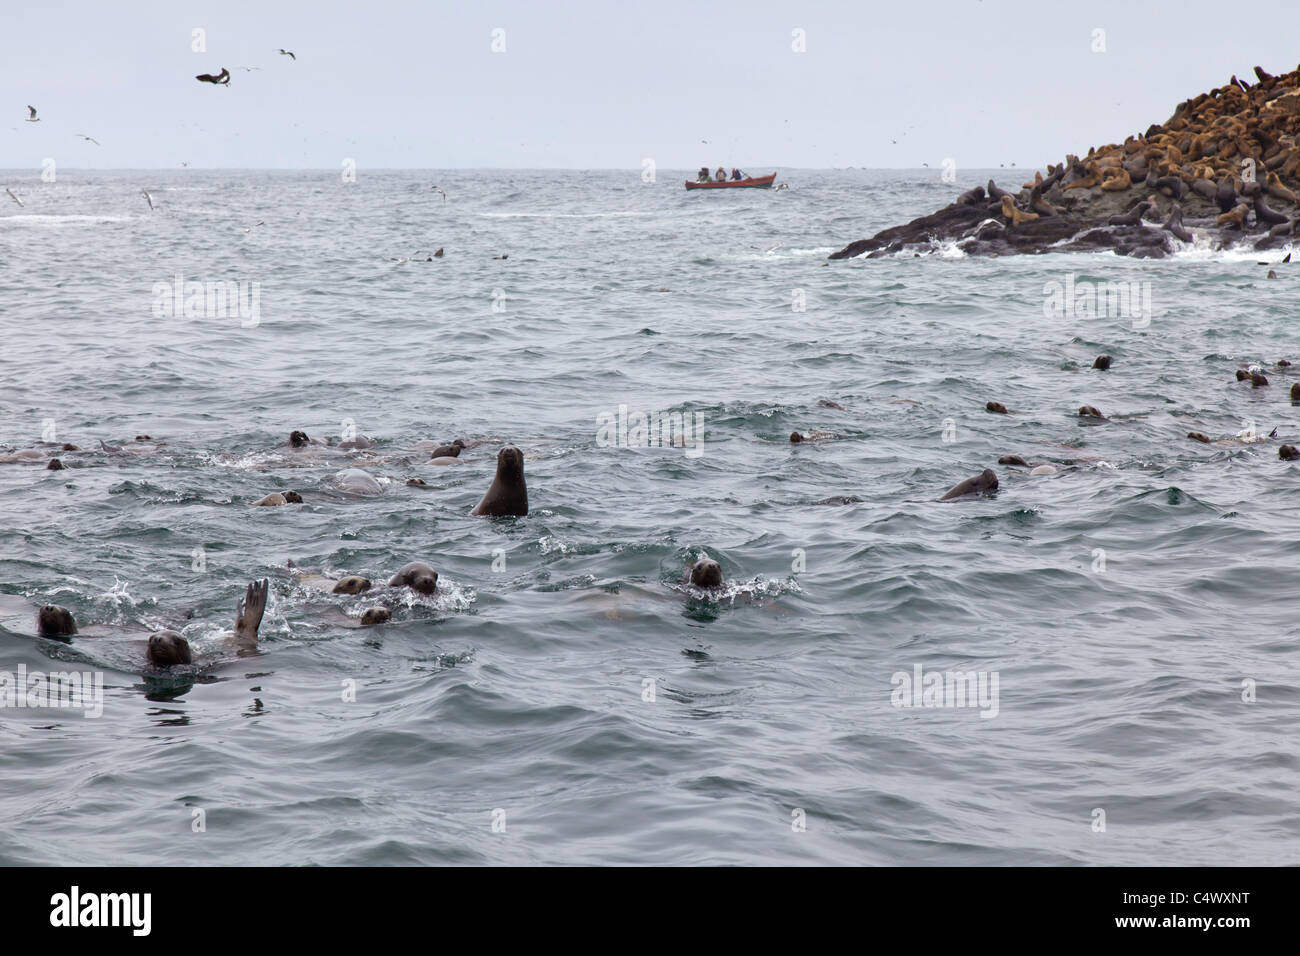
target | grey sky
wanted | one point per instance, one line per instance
(588, 84)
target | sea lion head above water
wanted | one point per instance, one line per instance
(984, 482)
(996, 407)
(795, 438)
(706, 573)
(298, 439)
(376, 615)
(508, 494)
(55, 621)
(416, 576)
(1013, 460)
(1288, 453)
(352, 584)
(1101, 363)
(167, 648)
(1201, 437)
(54, 465)
(1089, 411)
(1295, 392)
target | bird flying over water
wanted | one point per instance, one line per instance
(222, 78)
(90, 139)
(13, 197)
(444, 194)
(285, 52)
(147, 198)
(32, 118)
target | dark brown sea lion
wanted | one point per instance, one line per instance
(1200, 437)
(971, 196)
(706, 573)
(508, 494)
(1295, 392)
(1226, 194)
(298, 439)
(352, 584)
(54, 465)
(795, 438)
(376, 615)
(1131, 218)
(1013, 460)
(995, 193)
(1242, 375)
(1174, 224)
(167, 648)
(1101, 363)
(996, 407)
(982, 483)
(55, 621)
(1264, 213)
(448, 451)
(417, 577)
(1288, 453)
(416, 482)
(1257, 380)
(1089, 411)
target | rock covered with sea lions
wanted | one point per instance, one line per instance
(1226, 165)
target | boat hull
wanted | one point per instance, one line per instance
(753, 182)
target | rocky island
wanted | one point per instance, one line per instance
(1225, 166)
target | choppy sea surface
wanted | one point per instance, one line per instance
(564, 698)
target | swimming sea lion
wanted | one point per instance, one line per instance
(1288, 453)
(417, 577)
(982, 483)
(508, 494)
(1201, 437)
(357, 442)
(275, 498)
(1013, 460)
(1257, 380)
(299, 439)
(376, 615)
(359, 482)
(1043, 470)
(448, 451)
(706, 573)
(795, 437)
(416, 482)
(1101, 363)
(1089, 411)
(352, 584)
(1295, 392)
(167, 648)
(996, 407)
(54, 465)
(55, 621)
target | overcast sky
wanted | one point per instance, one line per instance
(588, 84)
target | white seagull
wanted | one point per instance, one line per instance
(147, 198)
(32, 118)
(90, 139)
(13, 197)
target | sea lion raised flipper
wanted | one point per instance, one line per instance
(249, 614)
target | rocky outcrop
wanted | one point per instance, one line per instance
(1226, 165)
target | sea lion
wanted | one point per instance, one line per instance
(359, 482)
(1101, 363)
(1171, 186)
(795, 438)
(508, 494)
(1043, 470)
(1295, 392)
(1013, 460)
(376, 615)
(1174, 224)
(706, 573)
(54, 465)
(1284, 228)
(1089, 411)
(417, 577)
(55, 621)
(356, 443)
(1131, 218)
(416, 482)
(448, 451)
(1257, 380)
(971, 196)
(995, 193)
(275, 498)
(996, 407)
(299, 439)
(1014, 215)
(1115, 179)
(1201, 437)
(1235, 218)
(352, 584)
(1283, 363)
(1206, 189)
(1288, 453)
(1271, 275)
(982, 483)
(1242, 375)
(167, 648)
(1226, 194)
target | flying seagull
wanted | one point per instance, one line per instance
(248, 69)
(32, 118)
(222, 78)
(90, 139)
(260, 222)
(147, 198)
(288, 54)
(444, 194)
(13, 197)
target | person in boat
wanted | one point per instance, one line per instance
(736, 174)
(721, 175)
(704, 176)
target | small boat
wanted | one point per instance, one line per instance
(753, 182)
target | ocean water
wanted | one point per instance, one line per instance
(564, 698)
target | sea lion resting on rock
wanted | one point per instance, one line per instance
(1174, 224)
(1014, 215)
(1131, 218)
(1237, 217)
(986, 481)
(508, 494)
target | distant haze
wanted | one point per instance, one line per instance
(604, 85)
